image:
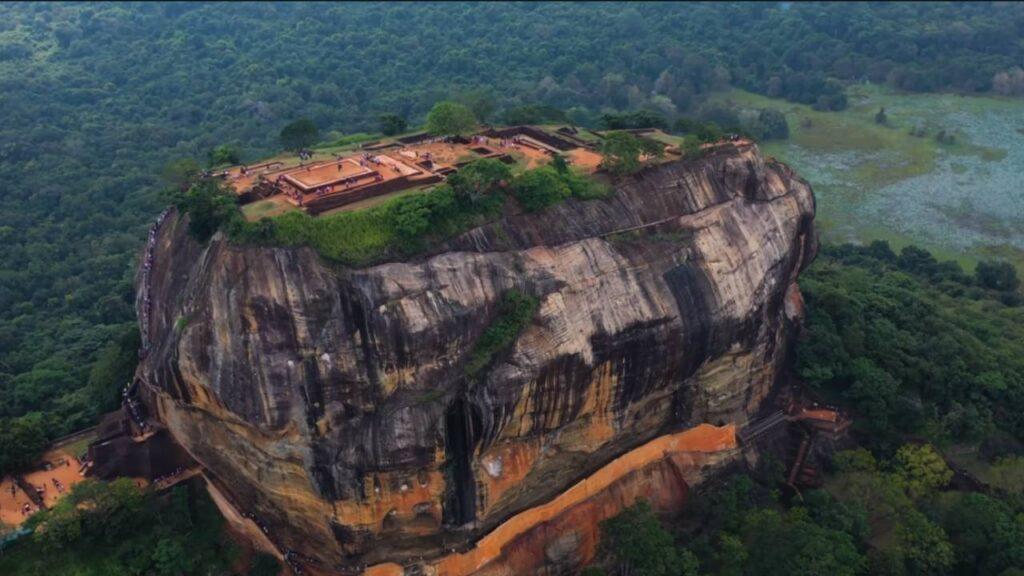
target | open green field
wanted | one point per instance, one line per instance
(962, 200)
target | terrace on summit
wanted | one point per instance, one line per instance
(396, 165)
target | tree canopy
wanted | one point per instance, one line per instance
(392, 124)
(913, 344)
(622, 152)
(450, 119)
(301, 133)
(118, 528)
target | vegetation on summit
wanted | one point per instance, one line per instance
(405, 225)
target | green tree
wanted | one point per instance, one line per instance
(791, 544)
(731, 555)
(637, 544)
(515, 313)
(480, 178)
(689, 563)
(209, 207)
(856, 460)
(416, 214)
(996, 275)
(225, 154)
(114, 368)
(709, 133)
(559, 163)
(480, 102)
(110, 510)
(392, 124)
(537, 189)
(170, 558)
(33, 390)
(621, 153)
(181, 173)
(637, 119)
(300, 134)
(987, 535)
(874, 392)
(692, 147)
(921, 470)
(449, 118)
(63, 528)
(923, 546)
(651, 148)
(774, 124)
(22, 441)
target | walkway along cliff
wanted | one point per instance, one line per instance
(333, 404)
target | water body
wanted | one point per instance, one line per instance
(964, 200)
(967, 201)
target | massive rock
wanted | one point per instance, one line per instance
(332, 403)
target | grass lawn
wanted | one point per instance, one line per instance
(266, 208)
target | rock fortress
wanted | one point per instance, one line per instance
(329, 408)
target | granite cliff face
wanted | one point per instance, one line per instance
(332, 403)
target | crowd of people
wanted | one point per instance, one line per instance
(147, 268)
(289, 190)
(177, 471)
(132, 407)
(290, 556)
(366, 159)
(513, 142)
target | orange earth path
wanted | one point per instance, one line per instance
(11, 505)
(702, 438)
(68, 475)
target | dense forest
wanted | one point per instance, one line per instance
(915, 345)
(97, 98)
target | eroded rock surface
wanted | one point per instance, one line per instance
(332, 402)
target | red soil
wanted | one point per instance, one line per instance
(66, 473)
